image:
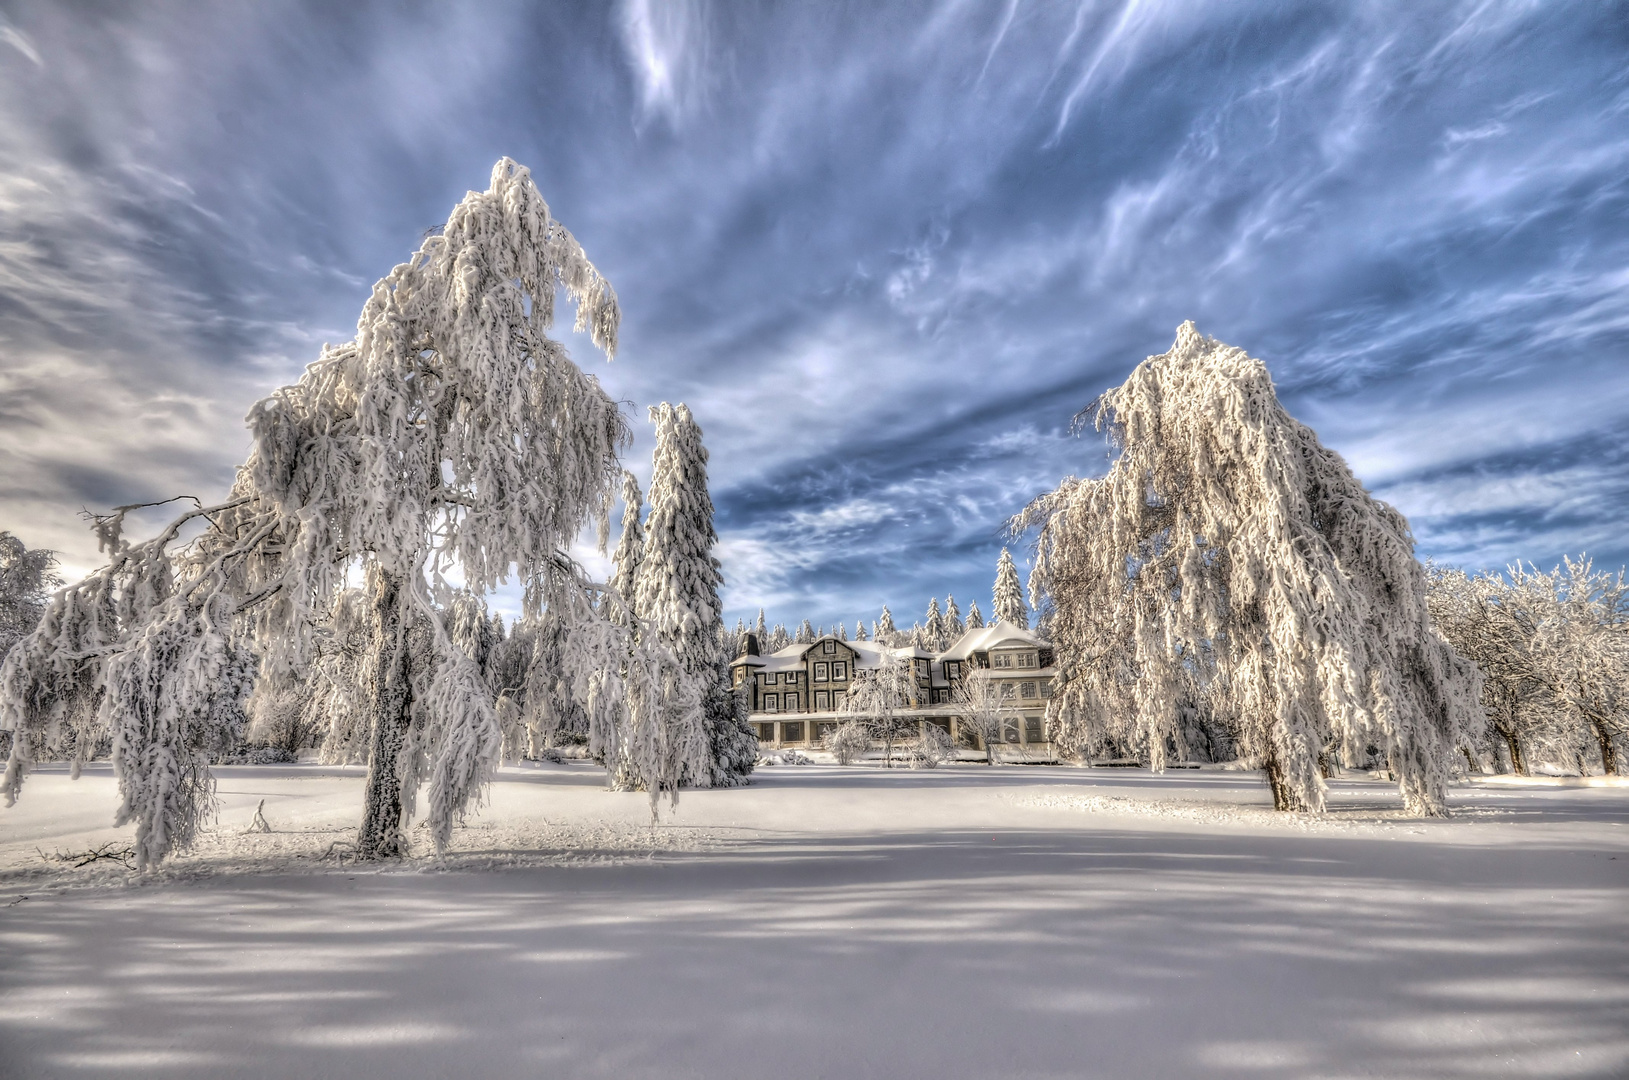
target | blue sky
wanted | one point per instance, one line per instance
(884, 251)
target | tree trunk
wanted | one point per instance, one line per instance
(1609, 754)
(1517, 762)
(389, 700)
(1283, 797)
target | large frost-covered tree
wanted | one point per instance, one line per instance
(933, 626)
(631, 544)
(451, 433)
(975, 617)
(977, 696)
(954, 627)
(1229, 556)
(676, 591)
(1007, 601)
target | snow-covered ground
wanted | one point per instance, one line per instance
(829, 922)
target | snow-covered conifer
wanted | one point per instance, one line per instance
(885, 631)
(933, 629)
(452, 431)
(805, 633)
(842, 632)
(1228, 556)
(954, 627)
(1008, 601)
(27, 578)
(859, 632)
(631, 544)
(758, 627)
(676, 592)
(778, 639)
(975, 617)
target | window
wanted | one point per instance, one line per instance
(1027, 690)
(772, 703)
(838, 699)
(953, 669)
(766, 732)
(738, 675)
(1001, 659)
(921, 669)
(792, 732)
(821, 671)
(1026, 659)
(790, 701)
(822, 700)
(839, 670)
(824, 730)
(1006, 690)
(1032, 729)
(1009, 732)
(828, 646)
(791, 678)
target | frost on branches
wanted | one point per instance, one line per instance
(1228, 558)
(1553, 649)
(676, 593)
(451, 433)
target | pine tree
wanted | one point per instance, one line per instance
(820, 633)
(842, 632)
(805, 633)
(859, 632)
(676, 592)
(27, 579)
(758, 627)
(1008, 603)
(954, 628)
(778, 639)
(933, 630)
(975, 618)
(631, 545)
(451, 431)
(1261, 580)
(885, 631)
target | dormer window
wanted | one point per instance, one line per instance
(828, 646)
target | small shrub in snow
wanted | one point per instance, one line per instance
(849, 742)
(932, 748)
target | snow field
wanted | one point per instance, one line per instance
(831, 922)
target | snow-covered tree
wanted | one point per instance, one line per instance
(676, 591)
(933, 747)
(451, 432)
(842, 632)
(954, 627)
(885, 632)
(758, 627)
(1553, 650)
(778, 639)
(806, 634)
(27, 578)
(878, 697)
(933, 627)
(1229, 556)
(1007, 603)
(849, 742)
(859, 632)
(977, 696)
(821, 632)
(975, 617)
(631, 544)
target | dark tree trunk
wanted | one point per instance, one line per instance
(1609, 754)
(390, 699)
(1283, 797)
(1517, 762)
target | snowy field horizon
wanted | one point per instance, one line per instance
(969, 921)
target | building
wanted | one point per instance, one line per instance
(798, 692)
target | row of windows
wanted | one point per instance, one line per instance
(1025, 690)
(769, 679)
(792, 730)
(838, 671)
(824, 701)
(1013, 660)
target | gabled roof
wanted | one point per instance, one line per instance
(989, 637)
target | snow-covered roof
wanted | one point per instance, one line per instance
(989, 637)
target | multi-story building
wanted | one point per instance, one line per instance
(797, 693)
